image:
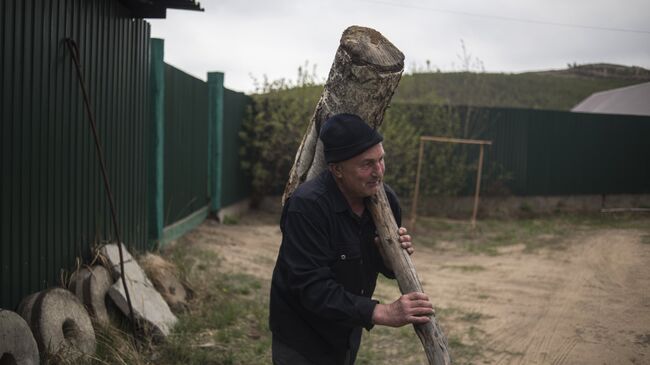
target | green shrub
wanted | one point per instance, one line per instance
(273, 128)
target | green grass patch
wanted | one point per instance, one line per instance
(493, 236)
(465, 268)
(472, 317)
(463, 352)
(466, 340)
(230, 220)
(227, 322)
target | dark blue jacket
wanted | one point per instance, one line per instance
(326, 272)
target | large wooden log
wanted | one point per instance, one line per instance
(362, 80)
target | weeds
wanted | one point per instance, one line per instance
(226, 320)
(494, 236)
(465, 268)
(230, 220)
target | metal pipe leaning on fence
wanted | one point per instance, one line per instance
(74, 52)
(365, 73)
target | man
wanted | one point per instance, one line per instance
(327, 267)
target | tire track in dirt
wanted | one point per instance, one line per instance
(584, 305)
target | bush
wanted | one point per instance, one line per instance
(444, 166)
(273, 128)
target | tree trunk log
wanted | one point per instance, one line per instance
(362, 80)
(430, 334)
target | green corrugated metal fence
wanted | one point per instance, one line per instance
(52, 200)
(580, 153)
(554, 152)
(236, 185)
(198, 132)
(186, 145)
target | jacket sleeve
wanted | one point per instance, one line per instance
(308, 256)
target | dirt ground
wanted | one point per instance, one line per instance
(586, 304)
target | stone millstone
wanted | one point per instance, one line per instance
(17, 344)
(164, 277)
(91, 287)
(25, 307)
(61, 325)
(148, 305)
(77, 282)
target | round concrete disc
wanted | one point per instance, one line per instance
(62, 326)
(17, 344)
(25, 307)
(163, 276)
(77, 282)
(172, 290)
(95, 289)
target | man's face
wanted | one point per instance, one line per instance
(362, 175)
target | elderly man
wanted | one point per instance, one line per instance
(327, 267)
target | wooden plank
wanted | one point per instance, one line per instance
(455, 140)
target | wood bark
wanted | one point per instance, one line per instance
(363, 77)
(365, 73)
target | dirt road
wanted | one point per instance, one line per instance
(587, 304)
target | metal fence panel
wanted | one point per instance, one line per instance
(554, 152)
(53, 206)
(186, 145)
(236, 185)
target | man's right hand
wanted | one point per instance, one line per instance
(409, 308)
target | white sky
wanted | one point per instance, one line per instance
(275, 37)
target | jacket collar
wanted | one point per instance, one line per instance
(340, 203)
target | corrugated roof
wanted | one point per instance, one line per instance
(632, 100)
(158, 8)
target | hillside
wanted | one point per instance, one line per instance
(556, 89)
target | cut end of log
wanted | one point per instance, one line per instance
(367, 46)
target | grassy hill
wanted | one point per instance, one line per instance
(557, 89)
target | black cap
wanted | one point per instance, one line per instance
(345, 136)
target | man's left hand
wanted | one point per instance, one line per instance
(404, 240)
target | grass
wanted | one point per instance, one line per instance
(230, 220)
(227, 320)
(495, 236)
(525, 90)
(465, 268)
(225, 323)
(466, 340)
(559, 90)
(385, 345)
(645, 239)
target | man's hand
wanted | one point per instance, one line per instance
(404, 240)
(409, 308)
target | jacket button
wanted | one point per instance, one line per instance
(342, 257)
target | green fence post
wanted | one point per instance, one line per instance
(156, 176)
(215, 145)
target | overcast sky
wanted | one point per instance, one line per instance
(275, 37)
